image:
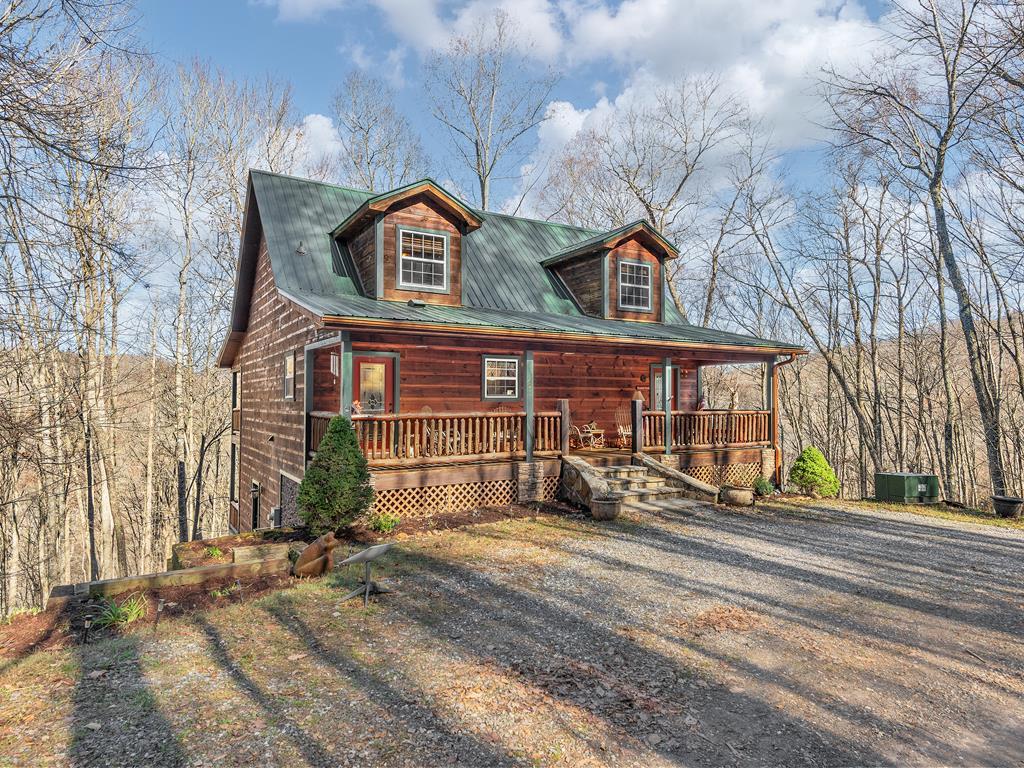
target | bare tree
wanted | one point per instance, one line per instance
(379, 149)
(914, 109)
(484, 101)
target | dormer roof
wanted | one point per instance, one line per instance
(380, 203)
(607, 240)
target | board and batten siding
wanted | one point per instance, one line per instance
(633, 250)
(419, 212)
(583, 277)
(363, 249)
(271, 429)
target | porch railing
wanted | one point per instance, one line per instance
(708, 429)
(406, 438)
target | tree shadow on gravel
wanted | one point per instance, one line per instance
(997, 616)
(460, 748)
(115, 719)
(637, 691)
(878, 588)
(314, 752)
(681, 561)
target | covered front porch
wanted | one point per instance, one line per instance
(562, 400)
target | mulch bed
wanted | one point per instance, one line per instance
(194, 554)
(359, 533)
(63, 625)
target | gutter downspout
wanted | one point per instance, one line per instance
(775, 417)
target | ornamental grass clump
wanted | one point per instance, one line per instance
(336, 488)
(120, 615)
(813, 475)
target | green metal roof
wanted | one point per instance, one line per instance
(593, 243)
(504, 286)
(511, 320)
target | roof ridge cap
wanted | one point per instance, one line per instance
(293, 177)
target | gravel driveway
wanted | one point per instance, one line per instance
(792, 635)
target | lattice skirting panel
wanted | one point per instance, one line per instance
(549, 488)
(423, 502)
(726, 474)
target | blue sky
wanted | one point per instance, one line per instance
(610, 53)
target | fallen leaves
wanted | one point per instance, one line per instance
(723, 618)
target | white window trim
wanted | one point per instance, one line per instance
(503, 359)
(402, 284)
(284, 384)
(648, 306)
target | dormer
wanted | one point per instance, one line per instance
(617, 275)
(406, 244)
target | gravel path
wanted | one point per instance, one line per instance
(792, 635)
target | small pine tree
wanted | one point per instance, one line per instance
(336, 488)
(811, 473)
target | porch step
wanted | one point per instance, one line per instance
(634, 488)
(621, 471)
(626, 483)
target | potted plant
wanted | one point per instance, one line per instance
(1008, 506)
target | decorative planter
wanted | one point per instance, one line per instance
(736, 496)
(1008, 506)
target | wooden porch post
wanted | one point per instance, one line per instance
(563, 409)
(346, 374)
(637, 425)
(772, 383)
(528, 403)
(666, 386)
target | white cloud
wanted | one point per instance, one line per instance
(303, 10)
(770, 53)
(319, 136)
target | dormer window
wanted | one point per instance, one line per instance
(635, 286)
(423, 260)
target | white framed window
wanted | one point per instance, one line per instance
(422, 260)
(501, 378)
(236, 390)
(289, 376)
(635, 285)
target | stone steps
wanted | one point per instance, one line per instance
(633, 488)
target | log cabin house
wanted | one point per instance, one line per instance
(473, 351)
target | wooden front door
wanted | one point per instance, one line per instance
(373, 383)
(658, 388)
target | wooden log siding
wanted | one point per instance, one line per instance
(404, 439)
(270, 436)
(318, 424)
(708, 429)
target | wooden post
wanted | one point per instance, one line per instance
(563, 408)
(637, 426)
(667, 393)
(530, 426)
(346, 374)
(773, 404)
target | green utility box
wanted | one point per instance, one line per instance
(906, 488)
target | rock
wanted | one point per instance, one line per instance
(736, 496)
(93, 726)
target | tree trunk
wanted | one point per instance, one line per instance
(981, 376)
